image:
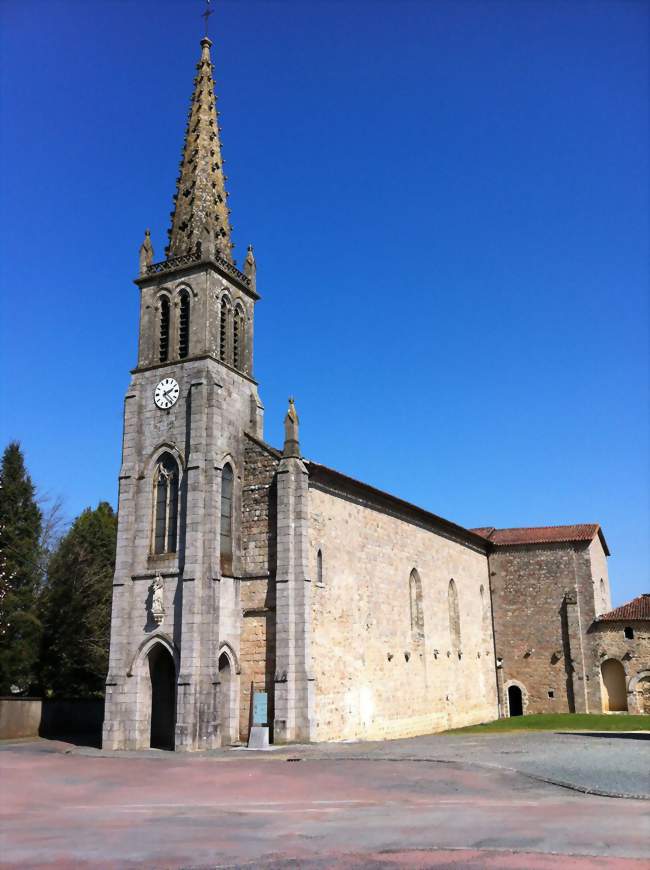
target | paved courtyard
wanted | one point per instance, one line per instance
(439, 801)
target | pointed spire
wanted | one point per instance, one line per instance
(200, 220)
(250, 267)
(146, 253)
(291, 440)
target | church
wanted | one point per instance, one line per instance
(248, 572)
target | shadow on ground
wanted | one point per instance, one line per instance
(623, 735)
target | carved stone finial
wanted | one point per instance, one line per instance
(291, 440)
(157, 599)
(250, 266)
(146, 252)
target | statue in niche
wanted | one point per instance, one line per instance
(157, 600)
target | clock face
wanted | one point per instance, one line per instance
(166, 393)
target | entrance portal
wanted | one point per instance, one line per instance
(163, 697)
(515, 701)
(614, 691)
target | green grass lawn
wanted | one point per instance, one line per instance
(562, 722)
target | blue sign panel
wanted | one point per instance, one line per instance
(260, 708)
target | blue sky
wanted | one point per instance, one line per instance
(449, 207)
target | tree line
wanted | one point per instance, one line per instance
(55, 590)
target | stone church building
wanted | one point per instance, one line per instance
(244, 569)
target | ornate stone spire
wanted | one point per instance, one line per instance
(200, 220)
(291, 440)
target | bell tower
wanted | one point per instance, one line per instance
(191, 399)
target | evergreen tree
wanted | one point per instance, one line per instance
(76, 606)
(20, 574)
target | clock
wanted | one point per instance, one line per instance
(166, 393)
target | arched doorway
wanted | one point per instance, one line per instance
(515, 701)
(614, 690)
(225, 700)
(163, 697)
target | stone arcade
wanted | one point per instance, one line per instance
(241, 567)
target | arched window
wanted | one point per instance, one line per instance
(163, 348)
(238, 339)
(454, 617)
(184, 325)
(319, 567)
(223, 331)
(165, 504)
(226, 519)
(485, 610)
(417, 613)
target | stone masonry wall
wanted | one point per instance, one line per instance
(543, 602)
(375, 677)
(634, 654)
(257, 588)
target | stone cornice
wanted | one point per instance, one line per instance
(340, 485)
(190, 359)
(178, 267)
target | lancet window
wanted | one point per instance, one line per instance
(417, 611)
(454, 617)
(226, 518)
(163, 348)
(165, 504)
(184, 325)
(223, 330)
(319, 567)
(238, 339)
(485, 611)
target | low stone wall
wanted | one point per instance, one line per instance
(50, 717)
(19, 717)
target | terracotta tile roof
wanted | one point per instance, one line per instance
(638, 608)
(484, 531)
(542, 535)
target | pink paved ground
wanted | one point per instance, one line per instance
(71, 810)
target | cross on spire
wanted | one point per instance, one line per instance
(208, 12)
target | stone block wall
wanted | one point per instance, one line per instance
(257, 650)
(376, 675)
(633, 653)
(259, 506)
(544, 598)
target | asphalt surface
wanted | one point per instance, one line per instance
(607, 763)
(611, 764)
(65, 806)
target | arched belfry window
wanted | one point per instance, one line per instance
(454, 617)
(163, 338)
(226, 519)
(238, 339)
(417, 612)
(165, 504)
(184, 324)
(223, 330)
